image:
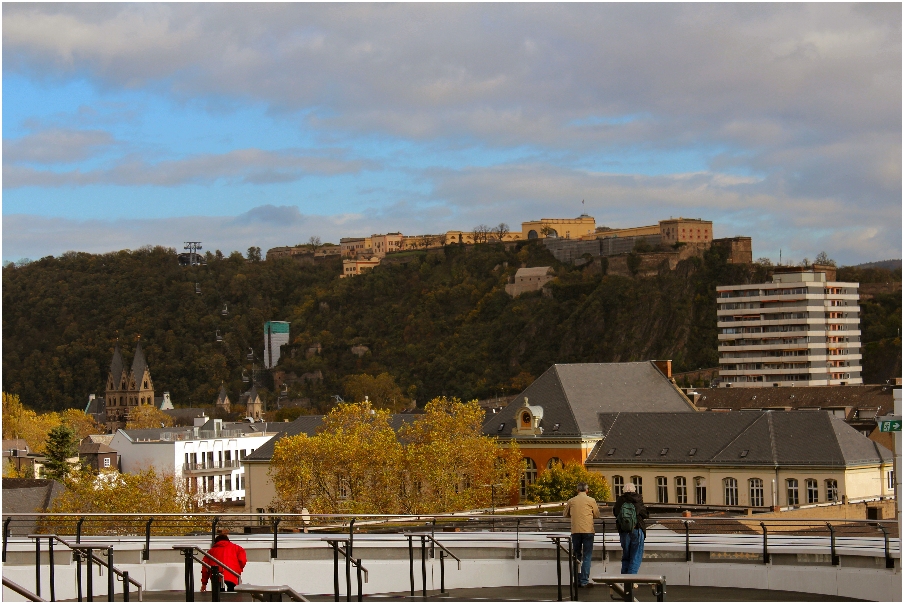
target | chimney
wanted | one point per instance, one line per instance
(665, 367)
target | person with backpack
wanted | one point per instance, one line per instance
(582, 509)
(231, 555)
(630, 513)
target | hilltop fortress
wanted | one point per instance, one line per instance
(574, 240)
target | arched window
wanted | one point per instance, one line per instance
(680, 489)
(700, 490)
(528, 475)
(553, 463)
(812, 491)
(756, 492)
(531, 234)
(618, 485)
(793, 491)
(731, 491)
(662, 489)
(831, 490)
(552, 233)
(638, 482)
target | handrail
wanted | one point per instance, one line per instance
(258, 592)
(78, 546)
(22, 591)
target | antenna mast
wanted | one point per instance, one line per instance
(193, 248)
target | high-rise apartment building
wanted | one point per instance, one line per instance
(276, 334)
(801, 329)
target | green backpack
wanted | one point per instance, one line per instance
(627, 518)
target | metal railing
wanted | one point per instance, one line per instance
(82, 552)
(217, 582)
(201, 466)
(31, 597)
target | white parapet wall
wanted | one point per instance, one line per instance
(490, 559)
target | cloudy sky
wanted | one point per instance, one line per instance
(265, 124)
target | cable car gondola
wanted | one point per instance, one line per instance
(225, 310)
(250, 354)
(219, 337)
(245, 376)
(197, 288)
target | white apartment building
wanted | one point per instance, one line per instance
(801, 329)
(208, 456)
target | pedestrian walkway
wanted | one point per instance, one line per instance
(678, 593)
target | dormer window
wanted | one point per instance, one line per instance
(501, 427)
(638, 452)
(692, 452)
(664, 451)
(555, 428)
(745, 452)
(610, 453)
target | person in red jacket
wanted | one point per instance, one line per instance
(231, 555)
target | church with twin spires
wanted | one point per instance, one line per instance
(127, 389)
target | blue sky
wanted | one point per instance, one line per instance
(241, 125)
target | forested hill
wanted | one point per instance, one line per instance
(440, 324)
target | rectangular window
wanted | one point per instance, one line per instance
(793, 491)
(756, 492)
(618, 485)
(106, 462)
(638, 482)
(812, 491)
(662, 489)
(831, 490)
(731, 491)
(891, 480)
(228, 485)
(700, 490)
(680, 489)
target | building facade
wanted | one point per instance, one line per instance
(276, 335)
(568, 228)
(685, 230)
(802, 328)
(529, 280)
(742, 458)
(208, 456)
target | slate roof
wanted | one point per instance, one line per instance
(139, 364)
(310, 424)
(17, 444)
(868, 397)
(222, 396)
(22, 495)
(573, 396)
(96, 406)
(153, 434)
(116, 366)
(799, 438)
(90, 448)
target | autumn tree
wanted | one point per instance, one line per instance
(21, 422)
(381, 390)
(147, 416)
(350, 466)
(450, 464)
(559, 483)
(148, 492)
(81, 423)
(61, 446)
(481, 233)
(500, 231)
(356, 463)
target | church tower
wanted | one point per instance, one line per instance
(116, 396)
(140, 384)
(127, 389)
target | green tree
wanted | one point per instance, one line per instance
(61, 446)
(559, 483)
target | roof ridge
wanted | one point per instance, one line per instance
(568, 404)
(737, 436)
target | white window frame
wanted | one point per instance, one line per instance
(680, 490)
(730, 490)
(757, 492)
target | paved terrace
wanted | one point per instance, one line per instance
(502, 557)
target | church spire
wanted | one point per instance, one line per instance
(116, 366)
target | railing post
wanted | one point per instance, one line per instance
(629, 592)
(335, 545)
(411, 564)
(687, 541)
(517, 538)
(835, 560)
(360, 582)
(111, 578)
(604, 541)
(89, 565)
(424, 565)
(146, 554)
(351, 537)
(78, 529)
(78, 573)
(216, 583)
(6, 535)
(433, 539)
(38, 566)
(442, 570)
(348, 575)
(889, 561)
(572, 579)
(660, 595)
(559, 566)
(274, 551)
(52, 570)
(213, 529)
(125, 586)
(189, 575)
(765, 543)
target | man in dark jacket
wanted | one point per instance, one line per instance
(632, 541)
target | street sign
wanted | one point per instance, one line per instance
(889, 423)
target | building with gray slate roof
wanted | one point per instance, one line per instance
(741, 458)
(556, 418)
(23, 495)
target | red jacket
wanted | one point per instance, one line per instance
(230, 554)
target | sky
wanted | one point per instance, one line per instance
(241, 125)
